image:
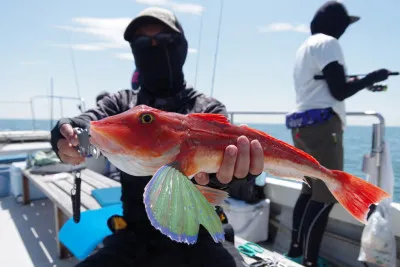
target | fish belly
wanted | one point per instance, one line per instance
(137, 165)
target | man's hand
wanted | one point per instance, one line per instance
(238, 161)
(66, 147)
(378, 75)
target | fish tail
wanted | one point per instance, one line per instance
(176, 207)
(355, 194)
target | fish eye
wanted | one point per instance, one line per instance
(146, 118)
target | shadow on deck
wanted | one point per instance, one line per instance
(27, 235)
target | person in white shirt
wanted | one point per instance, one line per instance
(318, 121)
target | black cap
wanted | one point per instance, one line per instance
(162, 15)
(354, 19)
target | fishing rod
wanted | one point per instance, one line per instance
(77, 85)
(198, 49)
(373, 88)
(217, 47)
(321, 77)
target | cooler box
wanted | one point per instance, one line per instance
(4, 180)
(16, 183)
(250, 221)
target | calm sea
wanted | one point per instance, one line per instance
(357, 143)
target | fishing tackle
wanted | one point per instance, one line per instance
(85, 149)
(76, 198)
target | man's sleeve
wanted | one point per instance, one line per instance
(328, 57)
(108, 106)
(216, 107)
(327, 52)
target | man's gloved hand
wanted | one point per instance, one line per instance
(64, 140)
(378, 75)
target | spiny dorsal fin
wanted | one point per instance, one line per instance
(210, 117)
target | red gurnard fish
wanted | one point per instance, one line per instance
(172, 148)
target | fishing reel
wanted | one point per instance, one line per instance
(85, 148)
(377, 88)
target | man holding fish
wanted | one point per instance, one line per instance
(166, 134)
(160, 48)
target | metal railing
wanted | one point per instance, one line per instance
(378, 131)
(31, 102)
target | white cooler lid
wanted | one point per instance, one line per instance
(235, 204)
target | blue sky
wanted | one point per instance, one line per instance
(258, 42)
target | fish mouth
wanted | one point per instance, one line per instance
(104, 138)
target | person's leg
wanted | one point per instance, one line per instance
(315, 223)
(296, 249)
(325, 143)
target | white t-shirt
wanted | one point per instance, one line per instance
(311, 58)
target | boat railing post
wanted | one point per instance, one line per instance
(51, 102)
(83, 104)
(33, 114)
(61, 108)
(232, 118)
(377, 147)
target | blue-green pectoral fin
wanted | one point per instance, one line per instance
(176, 207)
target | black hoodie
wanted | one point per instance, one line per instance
(332, 19)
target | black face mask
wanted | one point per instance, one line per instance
(330, 19)
(160, 66)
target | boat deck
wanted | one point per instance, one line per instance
(28, 235)
(30, 231)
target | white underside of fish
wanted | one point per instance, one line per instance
(137, 165)
(290, 170)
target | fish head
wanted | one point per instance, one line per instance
(141, 131)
